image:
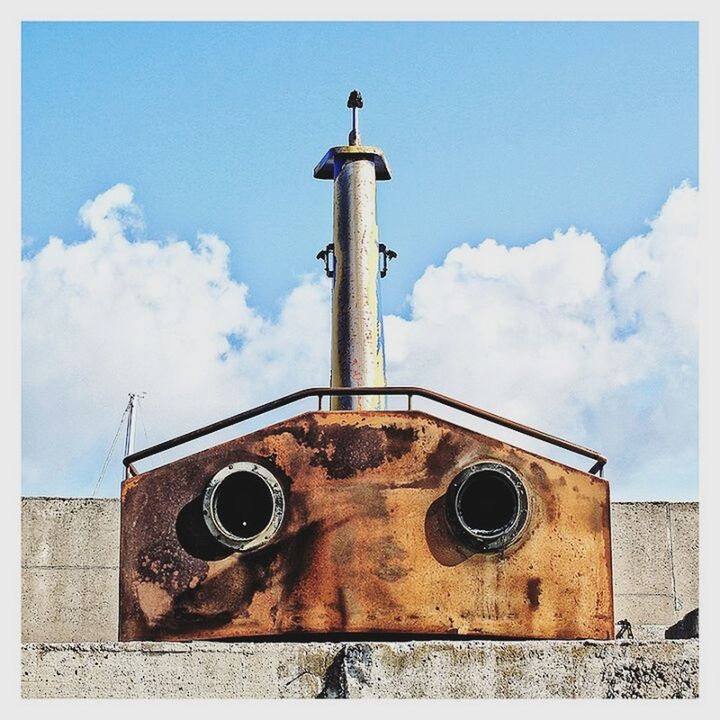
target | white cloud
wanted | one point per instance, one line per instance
(108, 316)
(602, 350)
(556, 334)
(655, 276)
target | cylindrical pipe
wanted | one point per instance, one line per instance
(358, 350)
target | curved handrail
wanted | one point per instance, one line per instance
(409, 391)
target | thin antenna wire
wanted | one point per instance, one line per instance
(140, 415)
(112, 447)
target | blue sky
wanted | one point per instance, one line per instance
(508, 131)
(504, 130)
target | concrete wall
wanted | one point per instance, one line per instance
(421, 669)
(69, 579)
(655, 562)
(70, 567)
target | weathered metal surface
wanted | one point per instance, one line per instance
(365, 546)
(357, 356)
(357, 351)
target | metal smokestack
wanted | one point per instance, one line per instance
(352, 260)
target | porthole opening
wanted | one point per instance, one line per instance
(487, 506)
(244, 504)
(487, 502)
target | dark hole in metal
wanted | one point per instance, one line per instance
(193, 533)
(486, 506)
(487, 502)
(244, 504)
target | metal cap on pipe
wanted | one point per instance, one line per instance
(325, 169)
(329, 167)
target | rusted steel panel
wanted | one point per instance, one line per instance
(365, 545)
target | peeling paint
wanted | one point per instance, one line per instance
(365, 551)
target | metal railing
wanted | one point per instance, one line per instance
(409, 391)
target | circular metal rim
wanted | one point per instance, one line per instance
(498, 539)
(221, 533)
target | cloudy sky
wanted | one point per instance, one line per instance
(544, 206)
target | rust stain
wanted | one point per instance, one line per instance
(165, 564)
(365, 545)
(128, 484)
(154, 600)
(398, 440)
(390, 559)
(346, 449)
(440, 460)
(533, 592)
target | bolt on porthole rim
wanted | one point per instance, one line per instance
(497, 539)
(210, 510)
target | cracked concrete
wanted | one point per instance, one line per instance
(416, 669)
(350, 667)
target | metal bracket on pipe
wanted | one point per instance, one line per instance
(325, 255)
(387, 254)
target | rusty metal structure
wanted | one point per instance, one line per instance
(358, 347)
(358, 519)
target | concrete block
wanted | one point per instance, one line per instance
(661, 669)
(69, 604)
(642, 563)
(419, 669)
(685, 555)
(538, 673)
(416, 669)
(70, 532)
(649, 632)
(645, 609)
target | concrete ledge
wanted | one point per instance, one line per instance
(419, 669)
